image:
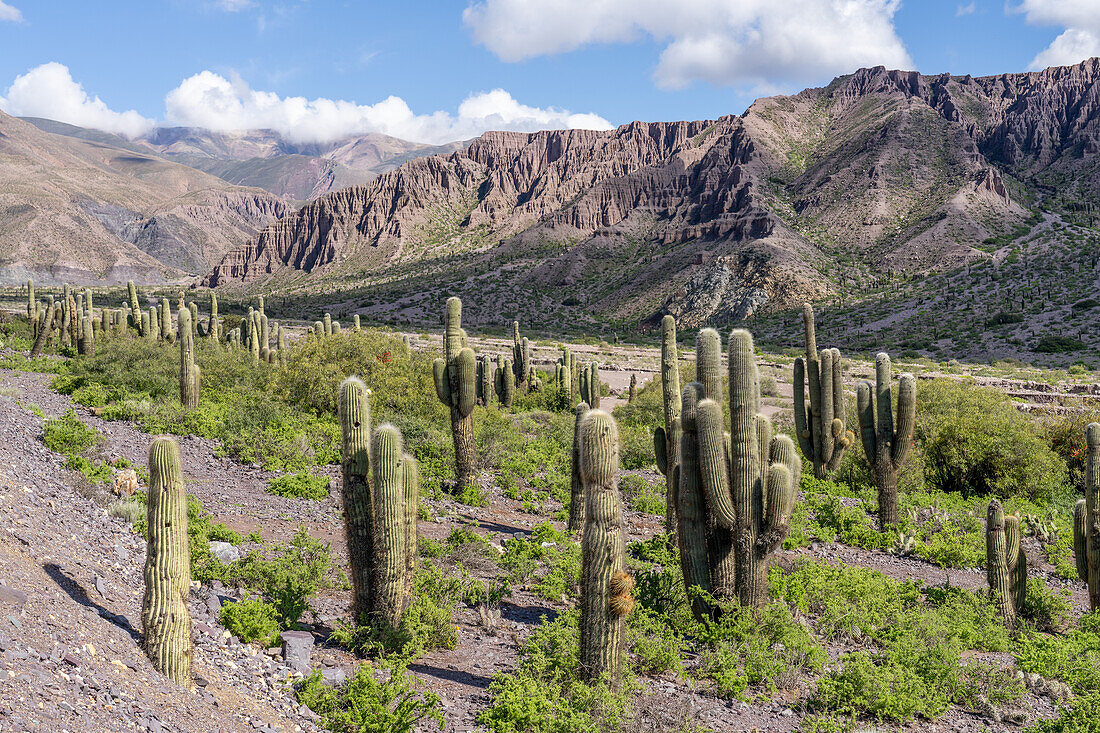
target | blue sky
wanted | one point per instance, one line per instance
(229, 63)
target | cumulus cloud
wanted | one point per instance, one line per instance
(212, 101)
(9, 13)
(49, 91)
(758, 43)
(962, 10)
(1079, 41)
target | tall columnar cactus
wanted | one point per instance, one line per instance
(265, 337)
(104, 320)
(605, 598)
(749, 479)
(135, 309)
(1005, 562)
(164, 615)
(521, 352)
(86, 343)
(87, 301)
(484, 381)
(590, 385)
(328, 324)
(166, 332)
(1086, 519)
(45, 325)
(282, 346)
(193, 308)
(564, 379)
(213, 328)
(504, 381)
(190, 384)
(354, 412)
(355, 324)
(576, 484)
(456, 386)
(32, 308)
(380, 496)
(821, 432)
(886, 446)
(666, 438)
(254, 331)
(153, 330)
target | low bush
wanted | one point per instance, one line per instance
(385, 700)
(301, 485)
(251, 619)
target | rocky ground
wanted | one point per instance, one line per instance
(70, 597)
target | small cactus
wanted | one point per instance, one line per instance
(1086, 519)
(885, 445)
(455, 378)
(605, 587)
(356, 326)
(1005, 562)
(164, 615)
(821, 432)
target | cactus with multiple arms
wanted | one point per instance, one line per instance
(190, 388)
(1086, 519)
(1005, 562)
(886, 446)
(165, 619)
(605, 587)
(821, 432)
(456, 386)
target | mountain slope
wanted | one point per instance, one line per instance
(86, 211)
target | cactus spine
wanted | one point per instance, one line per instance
(1086, 519)
(576, 484)
(1005, 562)
(605, 587)
(190, 388)
(886, 446)
(164, 615)
(456, 386)
(821, 432)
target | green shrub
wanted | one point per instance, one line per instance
(301, 485)
(641, 495)
(68, 435)
(369, 702)
(251, 619)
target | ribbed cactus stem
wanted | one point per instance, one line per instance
(411, 478)
(1086, 525)
(1006, 564)
(190, 388)
(821, 432)
(670, 392)
(507, 384)
(87, 337)
(355, 432)
(45, 325)
(691, 504)
(135, 309)
(328, 324)
(455, 377)
(576, 483)
(885, 445)
(164, 615)
(213, 330)
(603, 585)
(87, 301)
(32, 308)
(390, 523)
(166, 332)
(356, 326)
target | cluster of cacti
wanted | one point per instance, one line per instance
(1005, 562)
(885, 444)
(565, 373)
(455, 378)
(821, 432)
(1086, 519)
(165, 620)
(737, 490)
(521, 358)
(590, 385)
(504, 381)
(381, 499)
(666, 438)
(190, 381)
(605, 587)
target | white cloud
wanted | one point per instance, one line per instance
(212, 101)
(9, 13)
(759, 43)
(962, 10)
(1079, 41)
(49, 91)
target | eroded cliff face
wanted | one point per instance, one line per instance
(714, 220)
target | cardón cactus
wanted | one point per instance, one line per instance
(456, 386)
(190, 388)
(885, 445)
(1005, 562)
(354, 412)
(604, 587)
(1086, 519)
(164, 616)
(576, 485)
(666, 438)
(821, 433)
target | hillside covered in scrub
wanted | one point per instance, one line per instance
(376, 530)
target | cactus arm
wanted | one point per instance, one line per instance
(1080, 533)
(803, 427)
(865, 410)
(660, 449)
(691, 508)
(442, 383)
(708, 363)
(465, 386)
(884, 408)
(907, 414)
(713, 467)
